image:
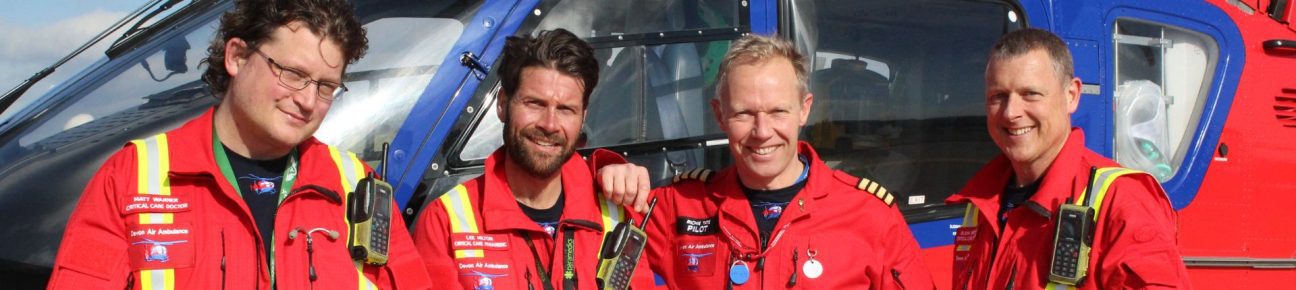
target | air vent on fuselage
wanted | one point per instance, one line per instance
(1285, 108)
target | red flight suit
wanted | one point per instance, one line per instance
(1134, 243)
(505, 261)
(211, 240)
(702, 225)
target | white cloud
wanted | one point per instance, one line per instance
(24, 50)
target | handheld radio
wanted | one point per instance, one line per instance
(369, 211)
(622, 249)
(1072, 241)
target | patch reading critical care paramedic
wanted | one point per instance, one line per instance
(148, 203)
(479, 242)
(696, 227)
(160, 246)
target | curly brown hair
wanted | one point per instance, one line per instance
(254, 20)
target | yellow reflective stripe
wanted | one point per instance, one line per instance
(462, 217)
(162, 279)
(962, 248)
(1103, 179)
(1107, 176)
(350, 170)
(365, 284)
(156, 218)
(152, 169)
(970, 216)
(612, 215)
(153, 163)
(1056, 286)
(611, 212)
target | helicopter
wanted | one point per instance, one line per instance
(1195, 92)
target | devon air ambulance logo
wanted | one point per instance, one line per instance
(158, 252)
(693, 263)
(484, 281)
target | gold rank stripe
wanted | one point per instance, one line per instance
(695, 174)
(880, 192)
(153, 165)
(463, 219)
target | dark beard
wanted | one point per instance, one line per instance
(534, 163)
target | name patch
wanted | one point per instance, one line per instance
(696, 227)
(479, 241)
(155, 204)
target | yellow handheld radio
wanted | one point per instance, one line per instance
(622, 249)
(369, 211)
(1072, 241)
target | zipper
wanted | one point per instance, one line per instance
(895, 274)
(967, 282)
(222, 265)
(1012, 278)
(130, 281)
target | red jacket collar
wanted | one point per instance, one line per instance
(733, 202)
(193, 141)
(500, 210)
(1067, 175)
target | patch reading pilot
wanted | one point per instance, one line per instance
(696, 227)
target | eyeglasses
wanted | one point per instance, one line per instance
(293, 78)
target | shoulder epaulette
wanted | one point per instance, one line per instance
(878, 191)
(699, 174)
(868, 185)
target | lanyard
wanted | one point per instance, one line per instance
(289, 175)
(764, 251)
(569, 260)
(766, 247)
(222, 161)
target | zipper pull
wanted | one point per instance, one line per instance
(528, 279)
(895, 274)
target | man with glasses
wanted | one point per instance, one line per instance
(241, 197)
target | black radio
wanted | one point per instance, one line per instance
(1073, 238)
(1071, 244)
